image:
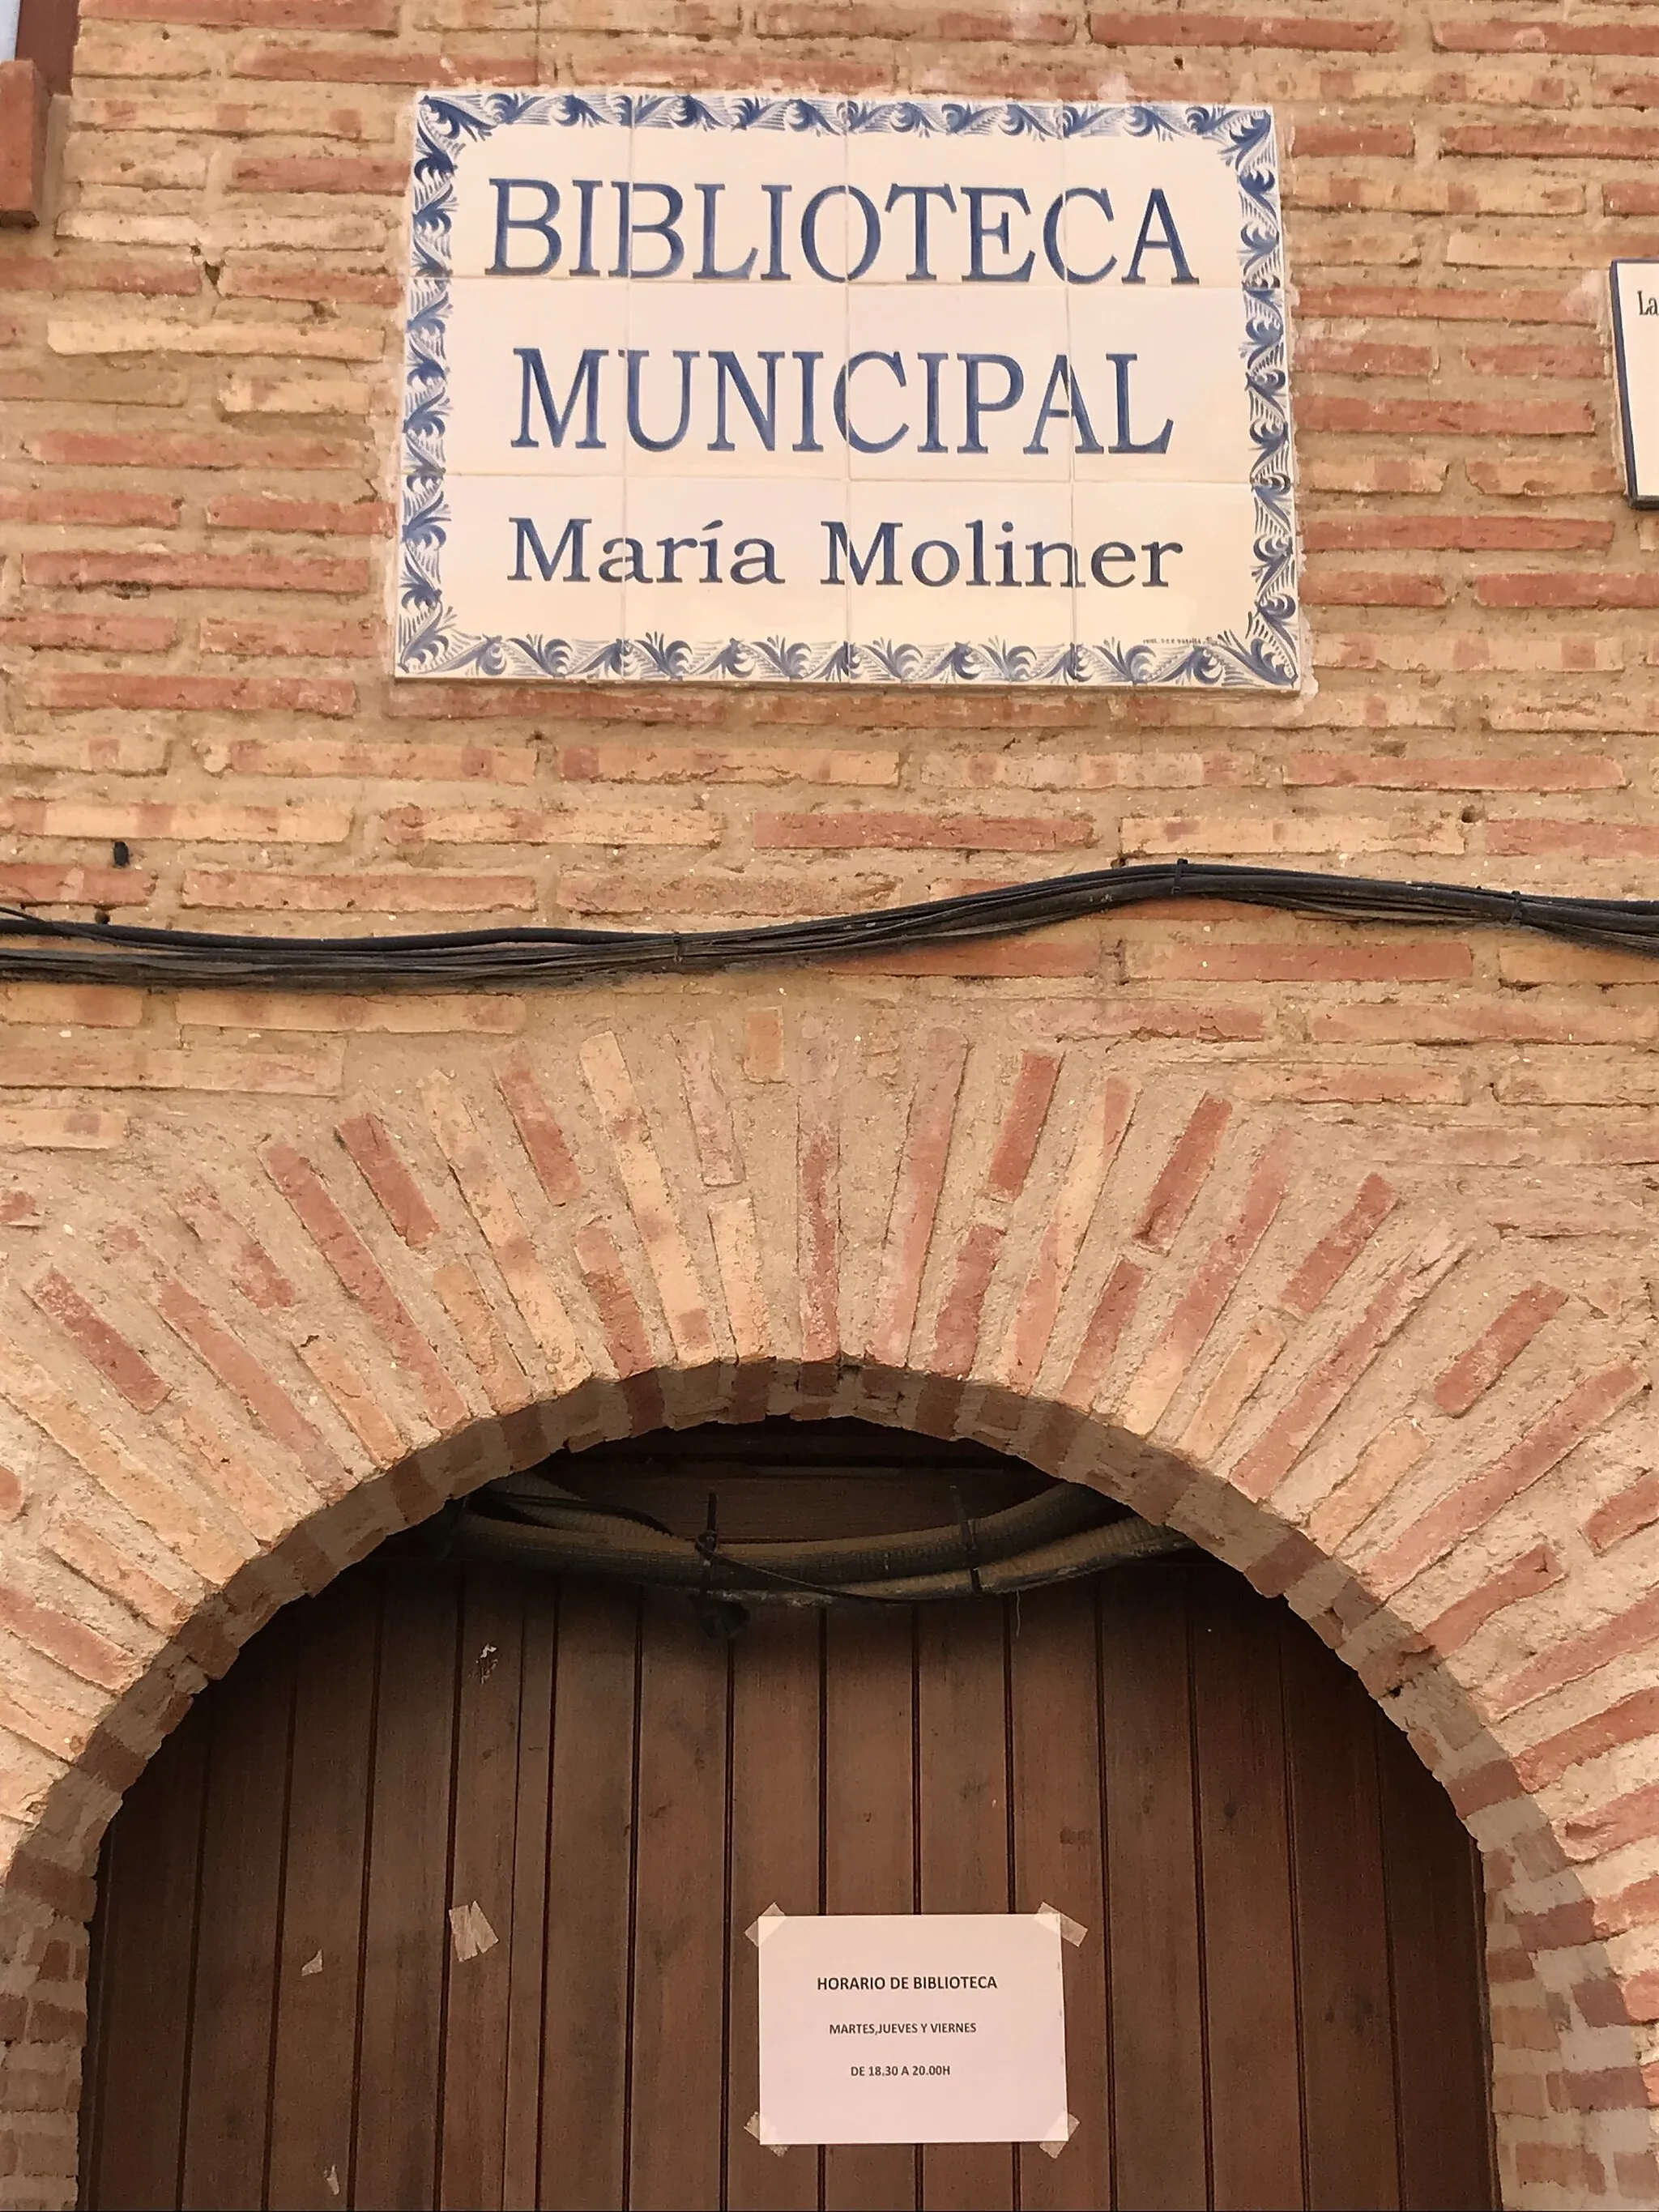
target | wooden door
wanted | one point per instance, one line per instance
(439, 1899)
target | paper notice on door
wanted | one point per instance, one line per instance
(912, 2028)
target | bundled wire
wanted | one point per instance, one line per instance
(1065, 1532)
(32, 948)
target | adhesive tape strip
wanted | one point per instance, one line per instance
(1070, 1930)
(759, 1929)
(1059, 2136)
(757, 2127)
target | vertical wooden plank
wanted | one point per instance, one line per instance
(320, 1964)
(869, 1839)
(962, 1800)
(145, 1940)
(775, 1815)
(1249, 1977)
(406, 1937)
(1151, 1873)
(521, 2150)
(589, 1900)
(677, 2073)
(1054, 1703)
(1439, 2027)
(1342, 1955)
(490, 1689)
(229, 2096)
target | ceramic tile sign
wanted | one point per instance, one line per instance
(1636, 353)
(911, 2028)
(803, 390)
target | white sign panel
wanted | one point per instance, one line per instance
(937, 2027)
(803, 390)
(1635, 335)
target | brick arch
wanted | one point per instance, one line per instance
(282, 1329)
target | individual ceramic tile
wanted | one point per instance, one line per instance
(522, 561)
(1185, 564)
(536, 379)
(710, 563)
(1165, 380)
(963, 403)
(716, 380)
(534, 200)
(931, 565)
(962, 189)
(1174, 181)
(726, 192)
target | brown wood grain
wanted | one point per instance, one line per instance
(406, 1937)
(963, 1832)
(869, 1839)
(676, 2102)
(143, 1947)
(1353, 2154)
(228, 2090)
(1158, 2104)
(590, 1879)
(321, 1962)
(1249, 1977)
(776, 1685)
(1435, 1916)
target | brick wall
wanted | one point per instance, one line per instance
(199, 369)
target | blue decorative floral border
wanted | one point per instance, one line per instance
(430, 642)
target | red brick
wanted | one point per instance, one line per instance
(120, 1363)
(1630, 199)
(1183, 1175)
(1449, 418)
(111, 509)
(985, 832)
(400, 64)
(193, 449)
(1363, 357)
(1460, 34)
(1468, 1378)
(201, 572)
(1469, 302)
(1407, 960)
(1627, 1721)
(251, 14)
(1576, 1654)
(318, 173)
(1534, 1570)
(1554, 141)
(79, 1649)
(1635, 1507)
(916, 1191)
(38, 883)
(1189, 29)
(363, 518)
(1353, 587)
(1309, 140)
(1554, 589)
(369, 1142)
(1335, 1253)
(71, 630)
(196, 695)
(1466, 534)
(871, 19)
(545, 1145)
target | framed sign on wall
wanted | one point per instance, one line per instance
(1636, 358)
(805, 390)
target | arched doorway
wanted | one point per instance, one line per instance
(439, 1896)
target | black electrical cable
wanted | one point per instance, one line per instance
(32, 948)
